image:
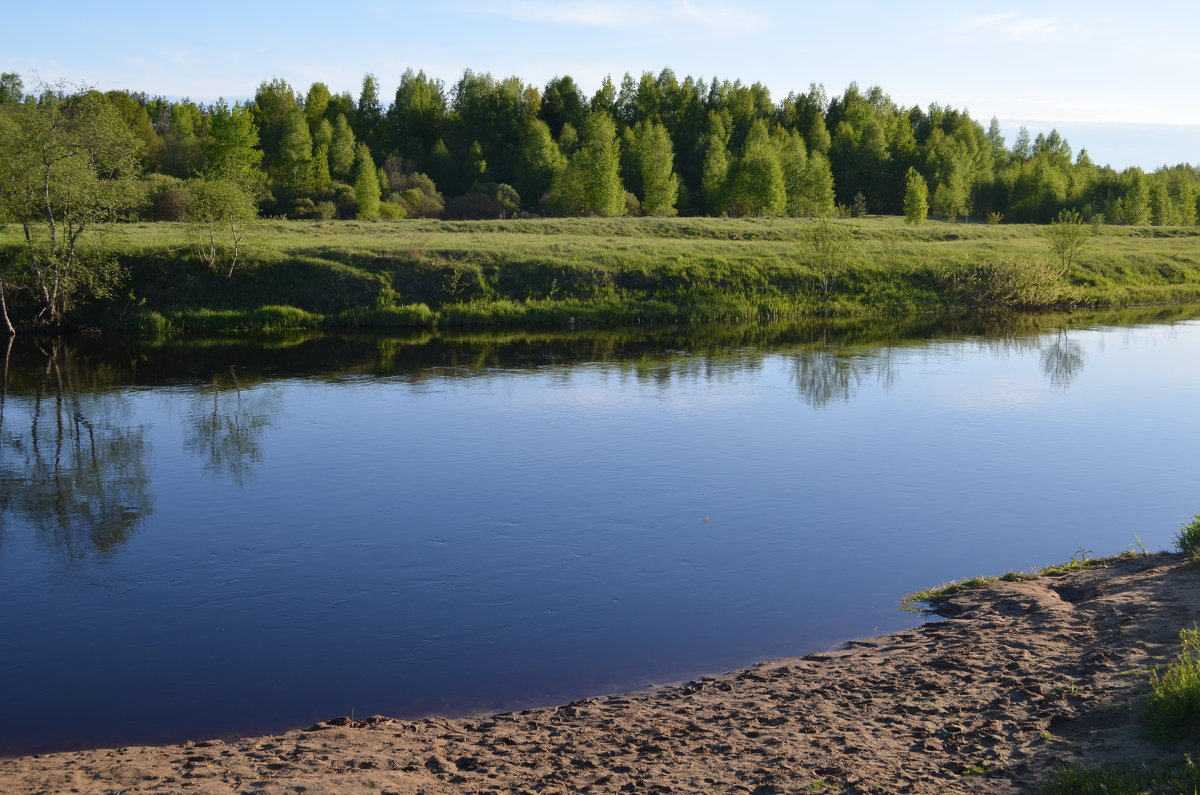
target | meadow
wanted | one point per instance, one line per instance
(609, 272)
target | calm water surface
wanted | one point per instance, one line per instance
(207, 538)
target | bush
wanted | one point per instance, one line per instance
(473, 207)
(420, 197)
(303, 207)
(149, 323)
(1002, 283)
(390, 211)
(166, 198)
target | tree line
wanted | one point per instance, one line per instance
(655, 145)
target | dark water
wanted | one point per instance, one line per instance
(209, 538)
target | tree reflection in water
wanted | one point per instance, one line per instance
(825, 375)
(225, 426)
(1062, 360)
(68, 467)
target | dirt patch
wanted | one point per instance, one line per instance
(1026, 676)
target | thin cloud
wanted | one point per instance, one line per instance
(1016, 26)
(713, 17)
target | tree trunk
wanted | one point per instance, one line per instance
(7, 328)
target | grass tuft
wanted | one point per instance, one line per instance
(1173, 711)
(1124, 779)
(1187, 540)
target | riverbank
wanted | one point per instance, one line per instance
(611, 272)
(1026, 677)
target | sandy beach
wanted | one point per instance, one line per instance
(1024, 677)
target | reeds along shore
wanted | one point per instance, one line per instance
(609, 272)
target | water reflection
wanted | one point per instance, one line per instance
(70, 468)
(75, 468)
(826, 374)
(1062, 360)
(225, 425)
(495, 520)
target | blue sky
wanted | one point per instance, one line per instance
(1120, 79)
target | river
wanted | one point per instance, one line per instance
(228, 536)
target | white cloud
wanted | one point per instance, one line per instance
(1015, 25)
(621, 15)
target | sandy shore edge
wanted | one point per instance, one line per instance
(1027, 676)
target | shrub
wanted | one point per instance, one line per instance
(473, 207)
(325, 211)
(1012, 283)
(390, 211)
(166, 198)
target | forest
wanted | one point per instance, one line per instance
(652, 146)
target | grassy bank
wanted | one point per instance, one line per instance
(303, 274)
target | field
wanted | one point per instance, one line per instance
(619, 271)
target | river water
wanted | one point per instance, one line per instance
(217, 537)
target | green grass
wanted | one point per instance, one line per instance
(1187, 540)
(630, 270)
(1173, 711)
(926, 601)
(1172, 716)
(1125, 779)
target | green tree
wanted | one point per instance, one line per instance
(273, 104)
(541, 161)
(231, 147)
(652, 160)
(322, 135)
(220, 208)
(316, 103)
(758, 187)
(793, 160)
(817, 198)
(366, 184)
(715, 173)
(181, 154)
(916, 198)
(830, 247)
(320, 178)
(133, 111)
(67, 163)
(368, 116)
(417, 118)
(11, 88)
(294, 164)
(1067, 237)
(591, 182)
(562, 103)
(342, 148)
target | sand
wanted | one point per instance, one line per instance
(1024, 677)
